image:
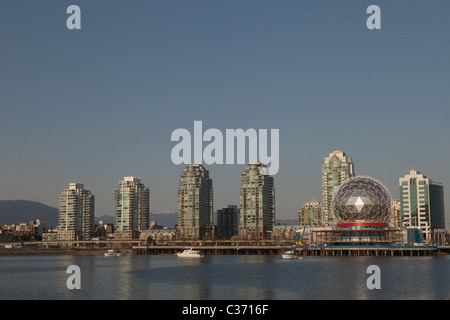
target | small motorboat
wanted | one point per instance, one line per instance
(113, 253)
(290, 255)
(190, 253)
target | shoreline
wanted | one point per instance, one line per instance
(55, 252)
(10, 252)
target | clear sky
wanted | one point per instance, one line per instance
(100, 103)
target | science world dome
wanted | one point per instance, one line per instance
(363, 202)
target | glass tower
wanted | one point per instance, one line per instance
(437, 211)
(195, 203)
(76, 213)
(132, 203)
(257, 203)
(336, 169)
(421, 203)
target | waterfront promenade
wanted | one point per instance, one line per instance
(301, 250)
(211, 248)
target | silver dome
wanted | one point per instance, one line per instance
(362, 200)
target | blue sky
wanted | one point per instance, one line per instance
(100, 103)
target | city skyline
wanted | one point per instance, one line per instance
(100, 103)
(186, 179)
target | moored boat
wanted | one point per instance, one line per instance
(190, 253)
(290, 255)
(113, 253)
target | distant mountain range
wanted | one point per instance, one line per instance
(163, 219)
(17, 211)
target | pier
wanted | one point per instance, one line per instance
(217, 248)
(367, 251)
(321, 251)
(210, 250)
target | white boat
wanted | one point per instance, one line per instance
(113, 253)
(290, 255)
(190, 253)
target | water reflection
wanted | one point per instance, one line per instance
(104, 278)
(224, 277)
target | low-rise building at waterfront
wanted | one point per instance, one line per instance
(285, 233)
(159, 234)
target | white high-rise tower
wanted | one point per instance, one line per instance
(336, 169)
(76, 213)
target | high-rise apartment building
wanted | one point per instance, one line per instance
(195, 203)
(76, 213)
(228, 221)
(311, 214)
(336, 169)
(257, 203)
(132, 203)
(421, 203)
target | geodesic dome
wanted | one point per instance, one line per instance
(362, 201)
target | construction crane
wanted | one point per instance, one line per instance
(299, 242)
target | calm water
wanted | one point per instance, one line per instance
(224, 277)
